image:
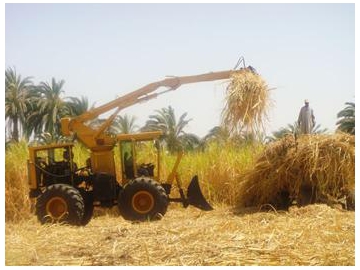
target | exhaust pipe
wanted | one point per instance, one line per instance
(195, 196)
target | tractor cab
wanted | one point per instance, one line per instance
(51, 165)
(140, 155)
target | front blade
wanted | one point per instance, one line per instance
(195, 196)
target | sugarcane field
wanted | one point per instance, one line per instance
(128, 181)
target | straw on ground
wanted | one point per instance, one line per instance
(312, 235)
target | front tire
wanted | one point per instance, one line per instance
(60, 203)
(143, 199)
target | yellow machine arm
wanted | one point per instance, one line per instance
(96, 139)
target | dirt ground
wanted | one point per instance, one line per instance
(312, 235)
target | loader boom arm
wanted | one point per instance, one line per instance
(142, 94)
(96, 139)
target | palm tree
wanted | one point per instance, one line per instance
(34, 122)
(319, 130)
(293, 129)
(123, 124)
(77, 106)
(290, 129)
(174, 136)
(347, 118)
(16, 101)
(51, 106)
(47, 138)
(222, 135)
(219, 134)
(190, 141)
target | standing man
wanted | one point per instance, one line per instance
(306, 119)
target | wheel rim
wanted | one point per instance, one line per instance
(143, 202)
(56, 207)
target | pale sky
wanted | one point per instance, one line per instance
(304, 51)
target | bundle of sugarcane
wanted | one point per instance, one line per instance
(247, 102)
(311, 169)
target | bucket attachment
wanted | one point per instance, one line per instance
(195, 196)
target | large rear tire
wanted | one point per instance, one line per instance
(88, 206)
(143, 199)
(60, 203)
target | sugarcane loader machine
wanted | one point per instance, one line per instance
(64, 193)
